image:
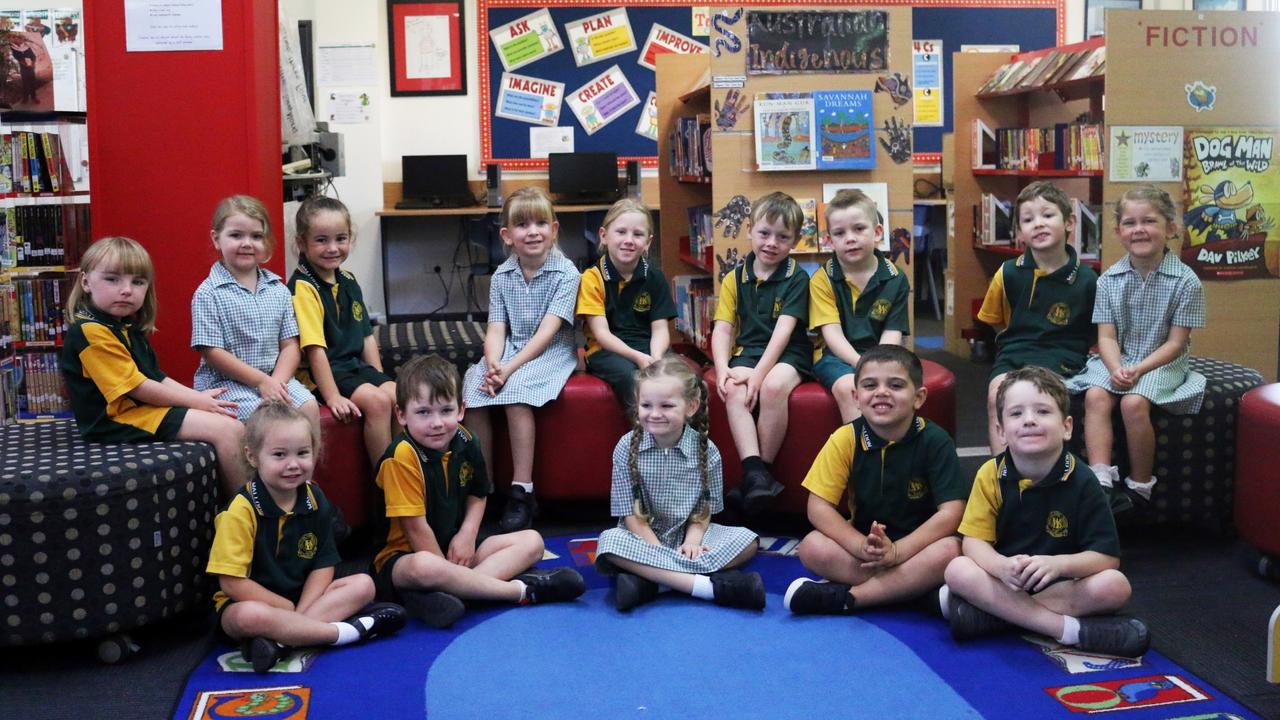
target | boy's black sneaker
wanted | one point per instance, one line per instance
(968, 621)
(264, 653)
(437, 609)
(521, 509)
(633, 590)
(758, 488)
(555, 585)
(733, 588)
(1119, 499)
(810, 597)
(386, 618)
(1114, 635)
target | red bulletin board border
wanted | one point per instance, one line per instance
(482, 49)
(401, 84)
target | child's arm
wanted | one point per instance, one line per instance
(317, 582)
(369, 353)
(420, 535)
(721, 353)
(891, 337)
(824, 316)
(837, 343)
(1167, 352)
(897, 324)
(941, 524)
(242, 589)
(541, 339)
(462, 549)
(268, 386)
(995, 306)
(826, 519)
(171, 393)
(322, 375)
(641, 529)
(287, 360)
(599, 325)
(1109, 352)
(693, 534)
(985, 555)
(659, 338)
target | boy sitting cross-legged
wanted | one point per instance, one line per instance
(905, 492)
(1040, 545)
(435, 486)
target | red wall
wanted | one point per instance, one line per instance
(171, 134)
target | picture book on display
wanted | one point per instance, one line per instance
(845, 124)
(784, 132)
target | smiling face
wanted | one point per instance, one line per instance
(663, 409)
(115, 293)
(627, 239)
(241, 243)
(286, 458)
(887, 397)
(1031, 422)
(1041, 225)
(531, 239)
(430, 421)
(771, 241)
(327, 242)
(1143, 231)
(853, 236)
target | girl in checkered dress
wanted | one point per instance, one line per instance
(667, 482)
(529, 345)
(242, 320)
(1146, 306)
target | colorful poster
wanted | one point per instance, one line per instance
(784, 133)
(595, 38)
(1143, 692)
(877, 191)
(1232, 197)
(665, 40)
(603, 100)
(526, 39)
(845, 123)
(926, 71)
(701, 20)
(1145, 153)
(529, 99)
(802, 41)
(647, 125)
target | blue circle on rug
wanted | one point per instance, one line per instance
(679, 657)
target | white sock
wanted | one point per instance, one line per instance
(1103, 472)
(702, 588)
(944, 596)
(347, 633)
(1070, 631)
(524, 589)
(1143, 489)
(528, 486)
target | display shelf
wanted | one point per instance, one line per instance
(1039, 173)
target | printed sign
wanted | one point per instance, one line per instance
(665, 40)
(1076, 661)
(525, 40)
(1108, 695)
(602, 100)
(595, 38)
(1232, 196)
(529, 99)
(817, 42)
(647, 125)
(1145, 153)
(926, 71)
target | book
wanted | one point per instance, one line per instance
(845, 124)
(1039, 67)
(1086, 238)
(808, 238)
(1069, 64)
(1092, 65)
(997, 221)
(982, 145)
(784, 132)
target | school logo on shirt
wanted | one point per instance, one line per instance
(357, 310)
(643, 302)
(307, 545)
(777, 307)
(880, 309)
(1056, 525)
(1059, 314)
(465, 473)
(915, 489)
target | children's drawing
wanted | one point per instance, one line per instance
(898, 87)
(733, 214)
(898, 140)
(734, 105)
(727, 40)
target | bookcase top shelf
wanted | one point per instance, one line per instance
(1040, 173)
(1068, 90)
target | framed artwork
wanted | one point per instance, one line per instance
(1094, 10)
(427, 48)
(1217, 4)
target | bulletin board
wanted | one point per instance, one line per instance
(1028, 23)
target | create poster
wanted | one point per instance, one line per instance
(647, 125)
(926, 74)
(602, 36)
(817, 42)
(603, 100)
(877, 191)
(784, 133)
(665, 40)
(526, 39)
(1232, 196)
(1144, 153)
(529, 99)
(845, 125)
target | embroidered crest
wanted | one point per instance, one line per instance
(1059, 314)
(880, 309)
(307, 546)
(643, 303)
(357, 310)
(465, 473)
(1056, 525)
(777, 307)
(915, 489)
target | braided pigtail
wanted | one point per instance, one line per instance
(638, 506)
(700, 422)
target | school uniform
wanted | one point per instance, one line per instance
(1143, 311)
(863, 314)
(103, 359)
(753, 305)
(248, 324)
(333, 316)
(670, 490)
(1048, 315)
(898, 483)
(522, 306)
(631, 307)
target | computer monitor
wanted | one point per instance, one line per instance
(436, 180)
(583, 177)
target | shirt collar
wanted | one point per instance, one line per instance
(1005, 468)
(512, 264)
(785, 270)
(868, 440)
(687, 445)
(220, 276)
(310, 272)
(885, 270)
(459, 439)
(1168, 265)
(610, 271)
(265, 505)
(88, 311)
(1067, 273)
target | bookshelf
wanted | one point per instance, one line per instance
(1055, 107)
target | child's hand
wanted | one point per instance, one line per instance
(753, 382)
(343, 409)
(462, 550)
(273, 389)
(1011, 573)
(878, 549)
(693, 550)
(643, 361)
(212, 404)
(1122, 378)
(722, 384)
(1038, 572)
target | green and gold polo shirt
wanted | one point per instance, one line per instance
(754, 305)
(331, 315)
(630, 306)
(863, 314)
(103, 359)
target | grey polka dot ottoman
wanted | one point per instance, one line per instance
(458, 341)
(99, 539)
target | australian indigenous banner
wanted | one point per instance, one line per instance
(817, 42)
(1232, 197)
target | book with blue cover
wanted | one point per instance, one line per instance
(845, 128)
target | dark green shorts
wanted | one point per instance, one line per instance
(801, 360)
(617, 371)
(119, 432)
(382, 583)
(1064, 363)
(349, 380)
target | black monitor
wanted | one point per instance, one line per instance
(436, 180)
(583, 177)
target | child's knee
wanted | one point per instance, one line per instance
(360, 586)
(248, 619)
(377, 404)
(946, 549)
(530, 542)
(1097, 399)
(1112, 589)
(1135, 408)
(963, 574)
(818, 550)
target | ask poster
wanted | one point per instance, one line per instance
(526, 40)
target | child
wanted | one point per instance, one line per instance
(274, 553)
(867, 309)
(759, 343)
(340, 359)
(242, 320)
(529, 347)
(667, 482)
(625, 302)
(435, 487)
(1147, 304)
(1040, 546)
(118, 392)
(905, 491)
(1044, 297)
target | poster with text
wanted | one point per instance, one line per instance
(603, 100)
(1232, 196)
(784, 133)
(647, 125)
(1144, 153)
(877, 191)
(804, 41)
(665, 40)
(526, 39)
(926, 74)
(529, 99)
(845, 124)
(602, 36)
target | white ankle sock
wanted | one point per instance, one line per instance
(1143, 489)
(702, 588)
(1070, 631)
(524, 589)
(347, 633)
(1103, 473)
(528, 486)
(944, 595)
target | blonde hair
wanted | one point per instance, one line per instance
(268, 415)
(313, 206)
(530, 203)
(778, 207)
(693, 389)
(250, 207)
(127, 257)
(1158, 199)
(628, 205)
(853, 198)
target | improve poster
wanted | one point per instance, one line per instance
(1232, 196)
(665, 40)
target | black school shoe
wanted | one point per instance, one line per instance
(810, 597)
(734, 588)
(1114, 635)
(437, 609)
(554, 585)
(633, 590)
(758, 489)
(387, 618)
(521, 509)
(968, 621)
(263, 653)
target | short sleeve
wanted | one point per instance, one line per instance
(995, 306)
(591, 293)
(620, 497)
(108, 363)
(497, 301)
(206, 326)
(403, 486)
(979, 520)
(564, 293)
(664, 306)
(828, 477)
(234, 530)
(309, 314)
(1188, 303)
(1097, 524)
(727, 306)
(822, 301)
(897, 318)
(795, 300)
(1103, 312)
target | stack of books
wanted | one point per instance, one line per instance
(691, 147)
(1051, 68)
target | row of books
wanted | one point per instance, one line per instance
(1052, 68)
(701, 219)
(994, 224)
(1065, 146)
(43, 235)
(32, 310)
(8, 390)
(691, 146)
(695, 307)
(31, 162)
(34, 387)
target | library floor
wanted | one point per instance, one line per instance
(1206, 609)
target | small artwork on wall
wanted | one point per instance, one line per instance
(1095, 13)
(1202, 5)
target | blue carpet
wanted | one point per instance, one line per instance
(930, 342)
(681, 658)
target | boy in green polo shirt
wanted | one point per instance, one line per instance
(1040, 546)
(1041, 302)
(434, 490)
(905, 493)
(859, 298)
(759, 343)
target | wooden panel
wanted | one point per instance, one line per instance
(678, 75)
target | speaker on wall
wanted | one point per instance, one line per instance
(493, 184)
(633, 179)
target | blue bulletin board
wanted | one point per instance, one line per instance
(1030, 24)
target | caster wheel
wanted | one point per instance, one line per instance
(116, 648)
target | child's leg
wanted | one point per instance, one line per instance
(774, 392)
(1102, 593)
(968, 580)
(520, 428)
(226, 434)
(842, 391)
(427, 571)
(919, 573)
(1139, 435)
(479, 423)
(741, 424)
(256, 619)
(311, 409)
(378, 408)
(342, 598)
(678, 581)
(993, 418)
(1098, 405)
(507, 555)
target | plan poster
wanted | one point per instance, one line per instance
(784, 133)
(602, 36)
(1145, 153)
(603, 100)
(526, 39)
(665, 40)
(530, 99)
(844, 130)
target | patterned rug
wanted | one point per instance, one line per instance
(678, 658)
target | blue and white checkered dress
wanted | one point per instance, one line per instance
(1143, 311)
(249, 325)
(672, 487)
(522, 306)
